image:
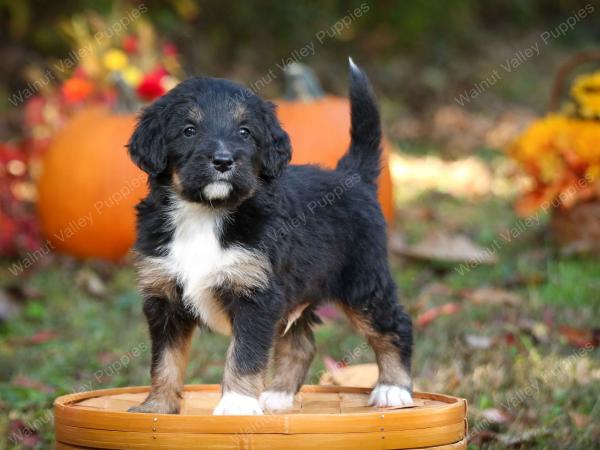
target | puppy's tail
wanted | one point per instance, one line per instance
(364, 155)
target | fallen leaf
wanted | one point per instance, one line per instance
(510, 340)
(90, 282)
(579, 420)
(495, 415)
(434, 290)
(491, 296)
(580, 338)
(479, 438)
(431, 314)
(519, 438)
(29, 383)
(478, 342)
(106, 358)
(20, 432)
(35, 339)
(445, 247)
(42, 336)
(539, 330)
(362, 375)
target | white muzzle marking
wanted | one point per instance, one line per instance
(217, 190)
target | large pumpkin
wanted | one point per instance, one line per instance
(89, 186)
(319, 128)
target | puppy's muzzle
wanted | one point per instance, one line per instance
(222, 161)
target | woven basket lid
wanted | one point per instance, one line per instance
(326, 416)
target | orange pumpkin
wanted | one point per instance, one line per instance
(89, 186)
(319, 128)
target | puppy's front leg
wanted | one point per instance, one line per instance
(254, 323)
(171, 329)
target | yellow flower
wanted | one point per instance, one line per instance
(593, 172)
(115, 59)
(132, 75)
(539, 147)
(586, 93)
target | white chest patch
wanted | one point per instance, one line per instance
(198, 261)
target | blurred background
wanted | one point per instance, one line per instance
(492, 120)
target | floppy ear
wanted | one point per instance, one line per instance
(146, 145)
(277, 149)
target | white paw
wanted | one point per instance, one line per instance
(276, 400)
(234, 404)
(390, 395)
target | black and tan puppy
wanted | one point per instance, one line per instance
(232, 238)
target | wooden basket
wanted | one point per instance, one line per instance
(323, 417)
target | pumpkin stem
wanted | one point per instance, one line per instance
(301, 83)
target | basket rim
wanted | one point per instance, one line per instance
(452, 412)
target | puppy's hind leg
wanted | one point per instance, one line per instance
(171, 330)
(294, 351)
(388, 330)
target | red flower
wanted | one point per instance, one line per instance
(151, 87)
(130, 44)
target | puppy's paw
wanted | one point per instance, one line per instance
(155, 407)
(234, 404)
(390, 395)
(276, 400)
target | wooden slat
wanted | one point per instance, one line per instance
(125, 440)
(461, 445)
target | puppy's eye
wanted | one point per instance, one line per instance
(189, 132)
(244, 132)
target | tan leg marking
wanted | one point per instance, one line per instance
(293, 354)
(387, 355)
(167, 380)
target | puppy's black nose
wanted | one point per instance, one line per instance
(222, 162)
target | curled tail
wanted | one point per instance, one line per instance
(364, 155)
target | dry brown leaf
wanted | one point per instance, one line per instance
(91, 282)
(361, 375)
(29, 383)
(433, 291)
(580, 338)
(40, 337)
(445, 247)
(433, 313)
(580, 421)
(492, 296)
(495, 415)
(25, 434)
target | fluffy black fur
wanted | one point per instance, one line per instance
(322, 230)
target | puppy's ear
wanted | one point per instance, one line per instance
(146, 146)
(277, 149)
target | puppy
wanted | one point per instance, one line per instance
(232, 238)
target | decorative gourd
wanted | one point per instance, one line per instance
(89, 186)
(319, 128)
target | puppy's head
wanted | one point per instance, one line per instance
(212, 140)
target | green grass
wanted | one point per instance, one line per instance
(572, 282)
(93, 334)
